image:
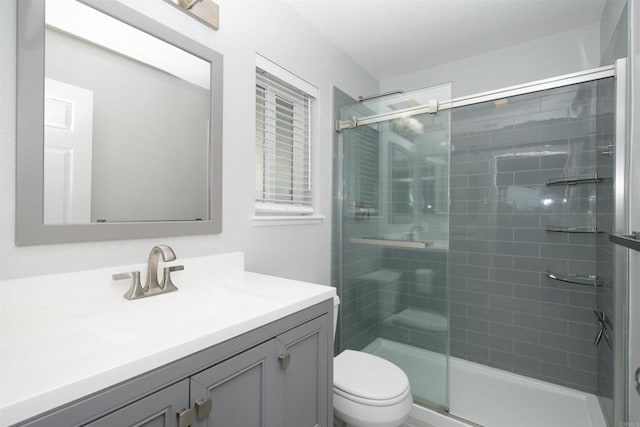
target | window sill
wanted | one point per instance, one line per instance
(267, 220)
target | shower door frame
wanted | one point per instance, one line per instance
(621, 221)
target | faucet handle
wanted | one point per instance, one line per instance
(167, 284)
(135, 290)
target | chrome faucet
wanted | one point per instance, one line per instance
(152, 265)
(152, 286)
(412, 231)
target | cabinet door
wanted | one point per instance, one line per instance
(240, 389)
(303, 359)
(156, 410)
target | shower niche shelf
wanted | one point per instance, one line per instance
(574, 180)
(573, 278)
(558, 229)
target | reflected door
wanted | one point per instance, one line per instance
(68, 127)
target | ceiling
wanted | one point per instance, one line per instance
(394, 37)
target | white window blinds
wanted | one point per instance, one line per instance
(283, 138)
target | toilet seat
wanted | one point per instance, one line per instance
(369, 380)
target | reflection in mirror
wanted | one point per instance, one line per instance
(419, 167)
(127, 115)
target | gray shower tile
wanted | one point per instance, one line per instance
(564, 342)
(518, 164)
(503, 261)
(473, 272)
(491, 341)
(470, 324)
(578, 252)
(516, 248)
(472, 298)
(469, 142)
(477, 246)
(505, 178)
(480, 180)
(559, 326)
(558, 296)
(534, 264)
(586, 331)
(582, 268)
(573, 129)
(517, 305)
(504, 233)
(514, 332)
(555, 161)
(479, 259)
(490, 314)
(458, 181)
(514, 276)
(540, 352)
(534, 177)
(490, 287)
(566, 312)
(539, 235)
(582, 362)
(582, 299)
(570, 375)
(521, 220)
(517, 136)
(515, 360)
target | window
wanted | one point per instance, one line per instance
(283, 141)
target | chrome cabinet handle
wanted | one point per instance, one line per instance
(284, 360)
(185, 417)
(203, 408)
(637, 377)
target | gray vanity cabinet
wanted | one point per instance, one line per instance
(157, 410)
(303, 366)
(240, 390)
(278, 375)
(280, 383)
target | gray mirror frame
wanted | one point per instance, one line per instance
(30, 227)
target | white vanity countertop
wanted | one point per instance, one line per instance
(66, 336)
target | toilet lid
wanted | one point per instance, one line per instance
(365, 375)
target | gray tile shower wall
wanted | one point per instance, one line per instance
(504, 311)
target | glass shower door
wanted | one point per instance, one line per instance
(395, 232)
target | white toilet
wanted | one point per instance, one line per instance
(368, 391)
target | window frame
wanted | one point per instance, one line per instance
(271, 213)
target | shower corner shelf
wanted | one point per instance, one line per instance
(558, 229)
(573, 180)
(573, 278)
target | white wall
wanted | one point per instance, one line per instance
(277, 32)
(610, 17)
(558, 54)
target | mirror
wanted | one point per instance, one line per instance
(128, 136)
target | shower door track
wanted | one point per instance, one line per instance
(433, 106)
